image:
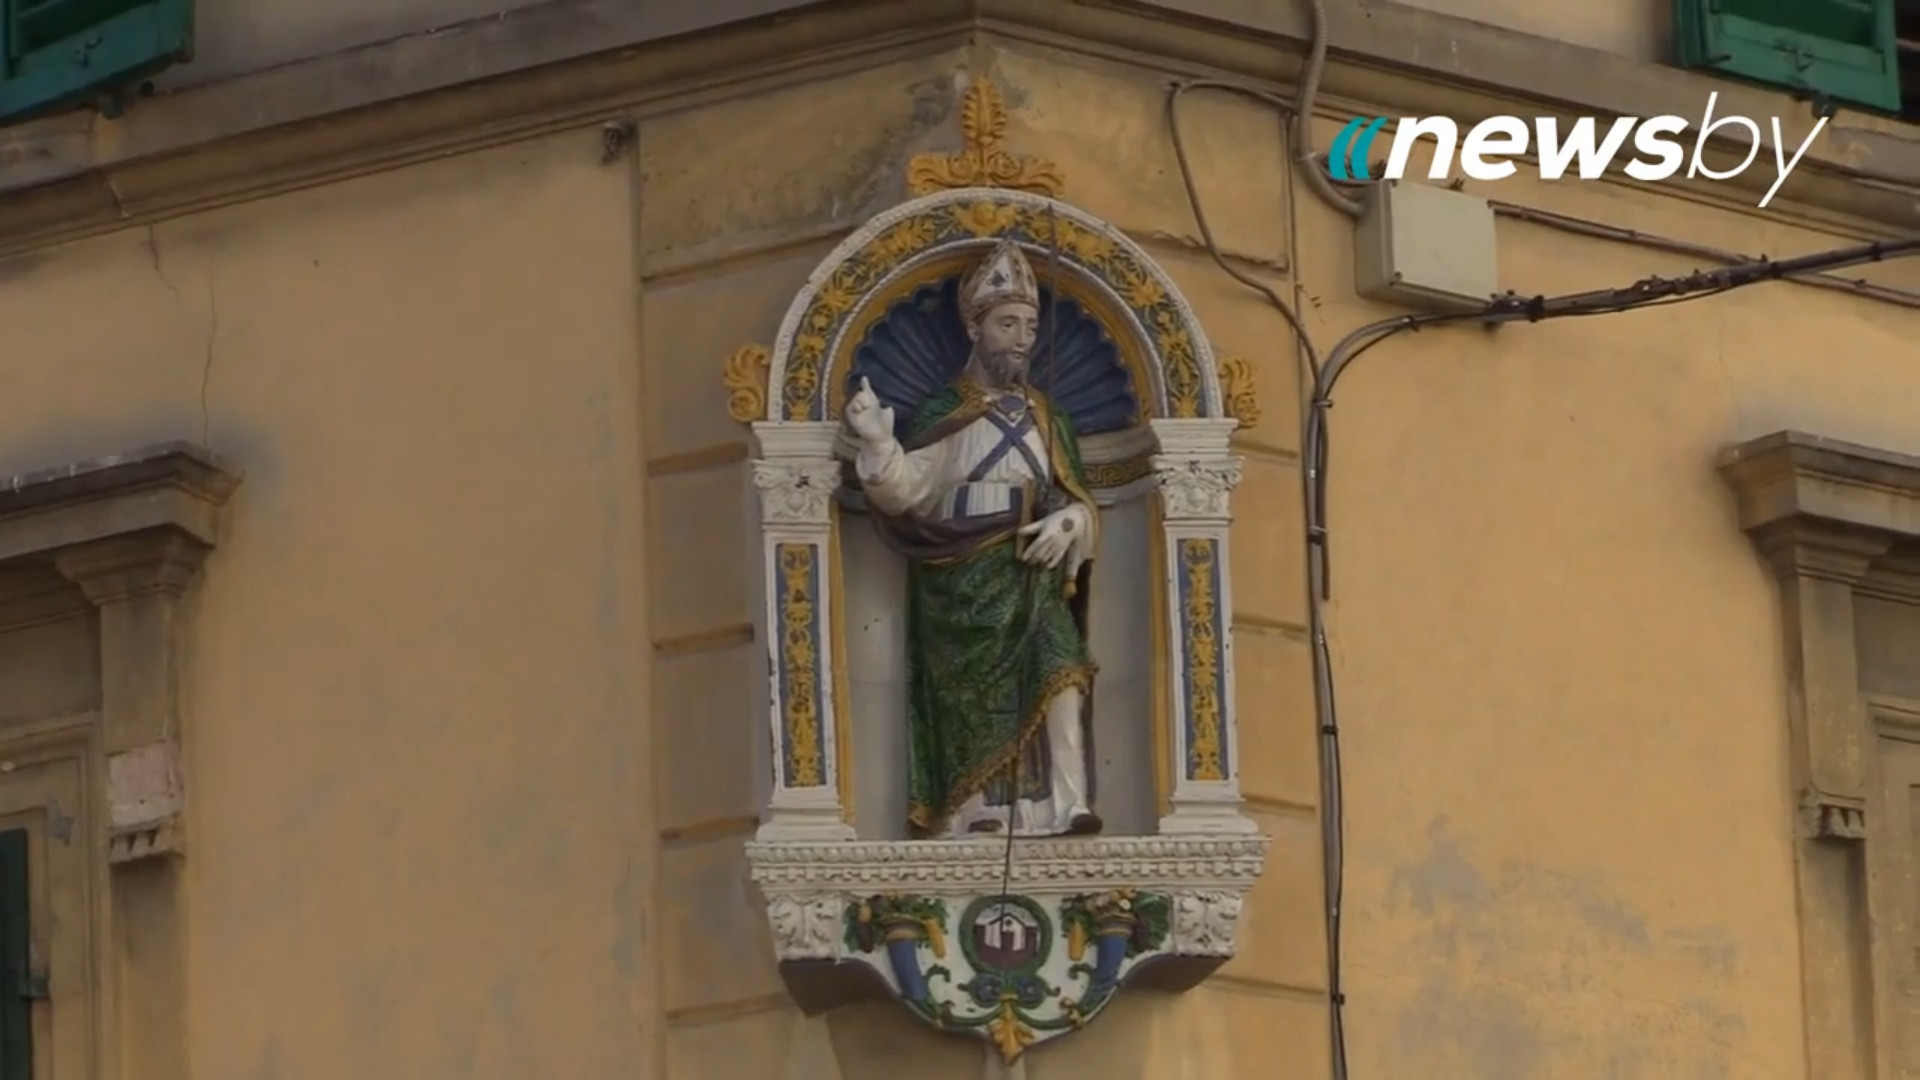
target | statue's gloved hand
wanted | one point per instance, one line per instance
(1053, 537)
(871, 421)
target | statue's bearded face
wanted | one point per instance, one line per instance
(1003, 340)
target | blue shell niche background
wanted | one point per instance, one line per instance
(920, 345)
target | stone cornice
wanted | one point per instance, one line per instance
(174, 488)
(558, 65)
(570, 63)
(1791, 477)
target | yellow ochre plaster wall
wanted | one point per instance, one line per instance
(419, 757)
(471, 701)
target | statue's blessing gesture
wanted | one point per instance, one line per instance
(984, 494)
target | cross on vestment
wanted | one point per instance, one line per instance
(1015, 421)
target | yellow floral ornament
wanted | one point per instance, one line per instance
(1237, 390)
(745, 378)
(983, 161)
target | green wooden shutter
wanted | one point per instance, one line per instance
(59, 53)
(1841, 48)
(16, 960)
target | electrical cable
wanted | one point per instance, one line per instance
(1308, 159)
(1309, 360)
(1648, 292)
(1200, 214)
(1577, 226)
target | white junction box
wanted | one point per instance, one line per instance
(1427, 247)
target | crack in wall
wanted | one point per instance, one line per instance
(206, 365)
(213, 330)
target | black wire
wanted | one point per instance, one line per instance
(1312, 372)
(1200, 214)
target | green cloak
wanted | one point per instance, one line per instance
(991, 640)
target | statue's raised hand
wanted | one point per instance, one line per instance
(871, 421)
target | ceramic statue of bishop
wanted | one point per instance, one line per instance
(983, 492)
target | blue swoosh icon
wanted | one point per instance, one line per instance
(1347, 158)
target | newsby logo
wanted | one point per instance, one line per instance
(1347, 159)
(1659, 151)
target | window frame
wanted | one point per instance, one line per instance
(1865, 75)
(16, 955)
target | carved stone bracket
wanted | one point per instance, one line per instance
(928, 922)
(1826, 816)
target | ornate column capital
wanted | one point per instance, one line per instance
(796, 491)
(1197, 489)
(1196, 469)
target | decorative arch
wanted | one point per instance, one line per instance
(930, 239)
(1175, 444)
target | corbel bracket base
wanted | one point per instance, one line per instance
(1831, 817)
(1017, 957)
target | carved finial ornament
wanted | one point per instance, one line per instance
(984, 162)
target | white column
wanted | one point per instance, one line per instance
(1197, 473)
(797, 476)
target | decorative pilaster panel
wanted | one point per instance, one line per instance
(1821, 512)
(796, 477)
(132, 531)
(137, 582)
(1818, 568)
(1197, 474)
